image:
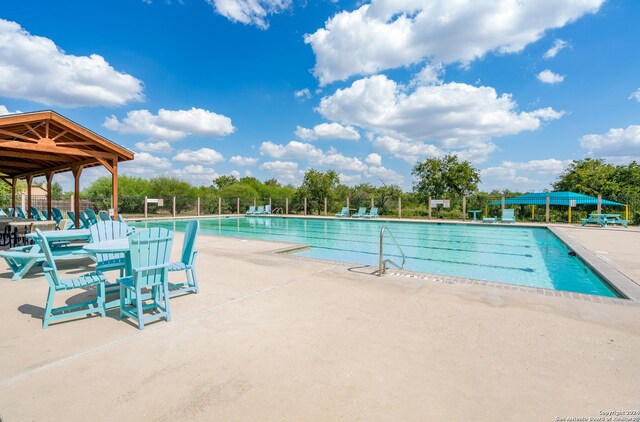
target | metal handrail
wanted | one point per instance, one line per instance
(383, 262)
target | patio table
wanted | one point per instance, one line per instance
(475, 213)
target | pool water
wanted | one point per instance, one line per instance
(532, 257)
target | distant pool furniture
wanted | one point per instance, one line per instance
(603, 220)
(104, 216)
(267, 209)
(373, 213)
(508, 216)
(251, 210)
(45, 214)
(57, 284)
(260, 210)
(344, 212)
(20, 213)
(86, 223)
(2, 213)
(91, 215)
(475, 214)
(187, 261)
(615, 219)
(490, 220)
(362, 211)
(57, 216)
(35, 214)
(149, 252)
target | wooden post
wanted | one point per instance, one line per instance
(174, 207)
(429, 206)
(347, 205)
(270, 207)
(146, 207)
(29, 181)
(13, 193)
(464, 208)
(399, 207)
(547, 210)
(237, 205)
(49, 177)
(305, 206)
(114, 188)
(325, 205)
(219, 205)
(77, 171)
(286, 206)
(599, 203)
(198, 209)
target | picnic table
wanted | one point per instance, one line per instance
(604, 219)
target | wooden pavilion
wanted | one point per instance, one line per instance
(44, 143)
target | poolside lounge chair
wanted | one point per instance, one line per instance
(104, 216)
(57, 216)
(508, 216)
(91, 216)
(344, 212)
(2, 213)
(251, 210)
(490, 220)
(11, 212)
(260, 210)
(373, 213)
(57, 284)
(362, 211)
(85, 221)
(45, 215)
(36, 215)
(19, 213)
(187, 262)
(149, 252)
(267, 209)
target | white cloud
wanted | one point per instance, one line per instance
(548, 77)
(409, 151)
(249, 12)
(350, 179)
(303, 94)
(36, 69)
(235, 173)
(337, 161)
(373, 159)
(292, 150)
(196, 174)
(387, 34)
(159, 146)
(616, 142)
(429, 75)
(635, 96)
(534, 175)
(203, 155)
(558, 45)
(327, 131)
(146, 165)
(287, 170)
(384, 175)
(243, 161)
(172, 124)
(4, 111)
(455, 114)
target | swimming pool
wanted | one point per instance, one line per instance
(525, 256)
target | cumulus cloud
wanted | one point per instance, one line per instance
(533, 175)
(548, 77)
(635, 96)
(196, 174)
(203, 155)
(409, 151)
(558, 45)
(243, 161)
(287, 170)
(429, 75)
(146, 165)
(36, 69)
(336, 161)
(4, 111)
(384, 175)
(172, 124)
(249, 12)
(385, 34)
(616, 142)
(160, 147)
(292, 150)
(453, 114)
(303, 94)
(327, 131)
(373, 159)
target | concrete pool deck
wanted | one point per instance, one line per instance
(275, 337)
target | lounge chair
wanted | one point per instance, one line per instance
(508, 216)
(57, 216)
(490, 220)
(19, 213)
(35, 214)
(149, 252)
(45, 215)
(344, 212)
(91, 216)
(267, 209)
(362, 211)
(11, 212)
(57, 284)
(85, 221)
(251, 210)
(373, 213)
(260, 210)
(186, 262)
(2, 213)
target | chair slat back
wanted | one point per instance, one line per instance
(267, 209)
(11, 212)
(104, 216)
(374, 211)
(189, 241)
(508, 213)
(108, 230)
(251, 209)
(84, 220)
(150, 247)
(120, 218)
(91, 215)
(2, 213)
(20, 213)
(260, 209)
(345, 210)
(362, 210)
(35, 214)
(57, 215)
(48, 255)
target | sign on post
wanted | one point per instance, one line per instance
(446, 203)
(436, 202)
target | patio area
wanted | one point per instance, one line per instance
(275, 337)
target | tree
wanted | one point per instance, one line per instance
(595, 176)
(131, 191)
(169, 187)
(56, 191)
(223, 181)
(316, 186)
(446, 176)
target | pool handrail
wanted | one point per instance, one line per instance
(382, 268)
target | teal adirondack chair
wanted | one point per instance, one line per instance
(45, 215)
(251, 210)
(57, 284)
(2, 213)
(104, 216)
(85, 221)
(149, 252)
(11, 212)
(120, 218)
(508, 216)
(362, 212)
(36, 215)
(91, 216)
(57, 216)
(109, 230)
(19, 213)
(186, 262)
(373, 213)
(344, 212)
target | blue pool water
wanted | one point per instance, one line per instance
(532, 257)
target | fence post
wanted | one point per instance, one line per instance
(599, 203)
(198, 210)
(286, 205)
(503, 201)
(174, 207)
(237, 205)
(547, 210)
(22, 202)
(372, 202)
(464, 208)
(146, 212)
(348, 205)
(399, 207)
(429, 206)
(70, 203)
(305, 206)
(325, 206)
(270, 207)
(219, 205)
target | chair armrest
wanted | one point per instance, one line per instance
(151, 267)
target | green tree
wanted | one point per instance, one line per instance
(316, 186)
(223, 181)
(446, 176)
(131, 192)
(57, 192)
(169, 187)
(590, 177)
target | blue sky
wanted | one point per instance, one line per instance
(269, 88)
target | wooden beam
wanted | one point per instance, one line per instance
(33, 155)
(17, 136)
(46, 129)
(24, 164)
(64, 132)
(60, 168)
(32, 130)
(16, 145)
(108, 165)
